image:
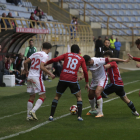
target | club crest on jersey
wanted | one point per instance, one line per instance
(96, 65)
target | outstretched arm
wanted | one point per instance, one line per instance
(117, 60)
(134, 58)
(59, 58)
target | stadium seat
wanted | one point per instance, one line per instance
(130, 6)
(128, 13)
(16, 8)
(111, 26)
(119, 19)
(117, 25)
(118, 1)
(124, 27)
(105, 19)
(96, 5)
(138, 25)
(107, 12)
(129, 32)
(100, 13)
(135, 13)
(24, 15)
(137, 1)
(116, 6)
(3, 1)
(136, 32)
(110, 6)
(131, 25)
(112, 20)
(123, 6)
(103, 25)
(3, 11)
(138, 19)
(121, 13)
(126, 19)
(136, 6)
(125, 1)
(102, 6)
(114, 13)
(114, 32)
(133, 19)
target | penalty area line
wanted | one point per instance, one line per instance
(57, 118)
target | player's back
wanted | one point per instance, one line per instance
(36, 60)
(72, 62)
(114, 74)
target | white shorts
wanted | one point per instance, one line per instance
(102, 83)
(35, 85)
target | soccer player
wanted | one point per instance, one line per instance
(34, 82)
(68, 78)
(116, 83)
(98, 83)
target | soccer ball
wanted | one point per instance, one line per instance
(73, 109)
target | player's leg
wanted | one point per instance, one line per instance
(98, 92)
(75, 89)
(92, 101)
(61, 87)
(130, 104)
(39, 88)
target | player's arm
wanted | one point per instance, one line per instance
(42, 67)
(134, 58)
(117, 60)
(26, 64)
(107, 66)
(59, 58)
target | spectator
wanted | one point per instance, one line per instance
(57, 66)
(8, 63)
(106, 46)
(106, 37)
(72, 28)
(12, 65)
(112, 45)
(38, 10)
(29, 51)
(6, 22)
(73, 20)
(19, 62)
(32, 17)
(5, 71)
(38, 16)
(94, 39)
(117, 47)
(76, 23)
(12, 21)
(98, 47)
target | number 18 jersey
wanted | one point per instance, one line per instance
(72, 62)
(36, 60)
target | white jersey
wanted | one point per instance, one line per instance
(98, 70)
(36, 60)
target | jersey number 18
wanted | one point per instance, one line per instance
(72, 63)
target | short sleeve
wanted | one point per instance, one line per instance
(100, 61)
(31, 57)
(45, 59)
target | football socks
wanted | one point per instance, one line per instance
(37, 105)
(79, 105)
(100, 104)
(92, 103)
(29, 107)
(131, 106)
(53, 107)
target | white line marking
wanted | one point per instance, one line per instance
(17, 113)
(57, 118)
(48, 105)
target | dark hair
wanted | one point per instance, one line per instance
(7, 56)
(47, 45)
(32, 13)
(30, 40)
(99, 36)
(76, 18)
(137, 42)
(87, 58)
(73, 17)
(108, 53)
(75, 48)
(13, 57)
(106, 40)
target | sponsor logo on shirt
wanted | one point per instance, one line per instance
(68, 71)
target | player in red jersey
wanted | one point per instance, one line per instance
(68, 78)
(116, 84)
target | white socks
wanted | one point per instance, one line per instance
(37, 104)
(100, 105)
(29, 107)
(92, 103)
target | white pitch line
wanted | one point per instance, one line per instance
(48, 105)
(57, 118)
(17, 113)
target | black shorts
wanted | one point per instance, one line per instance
(62, 86)
(111, 88)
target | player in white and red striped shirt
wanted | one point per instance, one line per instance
(116, 83)
(34, 82)
(99, 81)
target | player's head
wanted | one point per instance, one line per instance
(13, 58)
(108, 54)
(75, 48)
(107, 43)
(87, 60)
(137, 42)
(31, 43)
(46, 47)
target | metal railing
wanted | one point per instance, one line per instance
(59, 33)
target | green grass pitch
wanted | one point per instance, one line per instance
(117, 124)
